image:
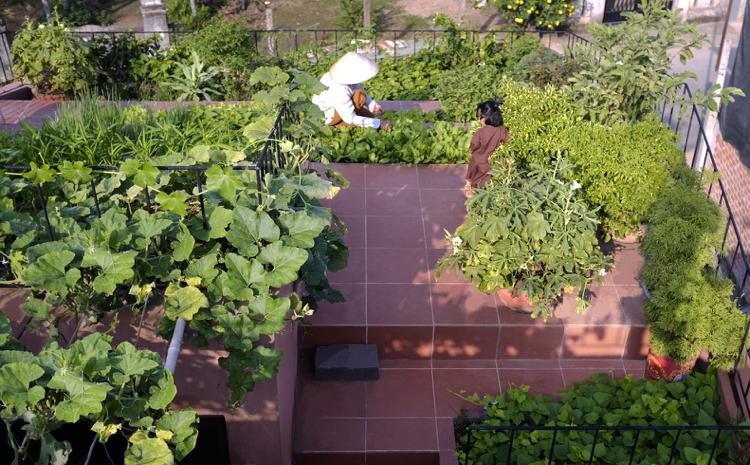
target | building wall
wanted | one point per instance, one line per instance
(735, 176)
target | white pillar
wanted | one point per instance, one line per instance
(683, 5)
(269, 27)
(6, 69)
(597, 11)
(155, 20)
(589, 11)
(367, 10)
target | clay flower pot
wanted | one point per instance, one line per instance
(635, 238)
(520, 303)
(667, 368)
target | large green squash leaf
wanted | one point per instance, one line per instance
(163, 393)
(182, 425)
(127, 362)
(242, 275)
(249, 228)
(82, 398)
(48, 272)
(149, 451)
(285, 263)
(15, 385)
(302, 228)
(183, 302)
(224, 181)
(116, 268)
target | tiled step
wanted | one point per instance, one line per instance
(406, 417)
(397, 216)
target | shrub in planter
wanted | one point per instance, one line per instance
(529, 231)
(51, 59)
(536, 119)
(621, 168)
(117, 59)
(543, 67)
(690, 308)
(627, 70)
(229, 46)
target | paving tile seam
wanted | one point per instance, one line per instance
(432, 313)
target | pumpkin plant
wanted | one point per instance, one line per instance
(530, 232)
(116, 390)
(218, 249)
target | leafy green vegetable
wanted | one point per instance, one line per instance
(602, 400)
(92, 381)
(530, 232)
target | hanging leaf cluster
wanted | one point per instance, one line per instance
(117, 390)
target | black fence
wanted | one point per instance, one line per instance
(517, 441)
(377, 44)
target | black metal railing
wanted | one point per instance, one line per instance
(270, 159)
(686, 120)
(519, 437)
(278, 42)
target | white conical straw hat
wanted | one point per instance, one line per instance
(353, 68)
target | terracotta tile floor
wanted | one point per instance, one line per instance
(412, 406)
(397, 217)
(439, 340)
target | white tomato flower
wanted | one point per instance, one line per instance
(602, 272)
(576, 186)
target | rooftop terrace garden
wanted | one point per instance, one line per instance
(215, 217)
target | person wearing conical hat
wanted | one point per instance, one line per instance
(344, 101)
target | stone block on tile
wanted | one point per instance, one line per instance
(347, 362)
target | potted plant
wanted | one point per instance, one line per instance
(690, 308)
(529, 232)
(51, 59)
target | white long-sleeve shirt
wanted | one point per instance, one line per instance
(338, 98)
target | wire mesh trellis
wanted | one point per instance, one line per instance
(270, 159)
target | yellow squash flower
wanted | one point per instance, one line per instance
(519, 20)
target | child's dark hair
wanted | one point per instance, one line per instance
(490, 111)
